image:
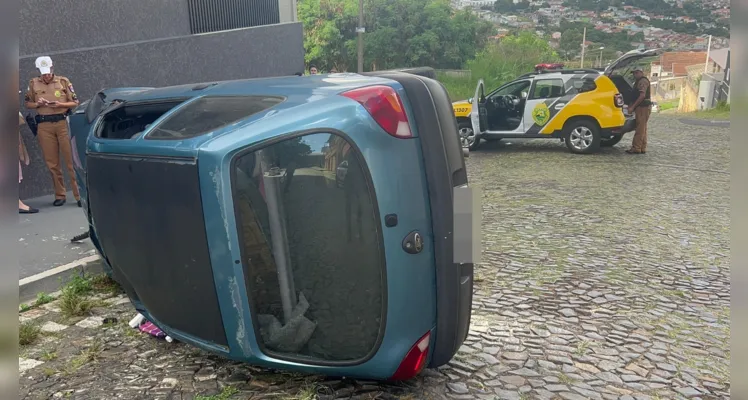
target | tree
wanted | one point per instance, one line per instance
(570, 43)
(511, 57)
(399, 33)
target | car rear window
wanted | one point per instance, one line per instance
(207, 114)
(582, 85)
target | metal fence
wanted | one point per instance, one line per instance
(219, 15)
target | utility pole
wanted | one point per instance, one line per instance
(708, 50)
(360, 30)
(584, 39)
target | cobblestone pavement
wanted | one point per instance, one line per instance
(604, 277)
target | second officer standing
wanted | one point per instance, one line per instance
(52, 96)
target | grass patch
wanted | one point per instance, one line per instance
(49, 356)
(721, 112)
(28, 333)
(24, 307)
(43, 298)
(104, 284)
(73, 304)
(458, 88)
(225, 394)
(669, 104)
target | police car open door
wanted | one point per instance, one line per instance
(478, 113)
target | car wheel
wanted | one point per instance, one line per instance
(582, 137)
(610, 142)
(468, 139)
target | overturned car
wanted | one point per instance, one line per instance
(305, 223)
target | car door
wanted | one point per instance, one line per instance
(545, 100)
(478, 113)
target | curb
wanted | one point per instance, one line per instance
(52, 280)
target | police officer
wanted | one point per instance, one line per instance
(52, 96)
(642, 108)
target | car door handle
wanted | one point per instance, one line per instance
(559, 106)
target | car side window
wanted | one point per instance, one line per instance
(547, 89)
(581, 85)
(513, 89)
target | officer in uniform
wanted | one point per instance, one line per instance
(642, 108)
(52, 96)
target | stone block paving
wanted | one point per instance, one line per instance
(603, 277)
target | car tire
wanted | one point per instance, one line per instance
(582, 136)
(610, 142)
(466, 132)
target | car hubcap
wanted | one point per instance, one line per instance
(581, 138)
(467, 137)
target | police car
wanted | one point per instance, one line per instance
(585, 108)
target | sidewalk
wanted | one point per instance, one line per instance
(44, 238)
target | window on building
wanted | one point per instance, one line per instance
(213, 16)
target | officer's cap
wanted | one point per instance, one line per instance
(637, 69)
(44, 65)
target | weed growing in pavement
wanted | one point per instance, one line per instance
(104, 284)
(582, 348)
(79, 284)
(73, 304)
(88, 355)
(43, 298)
(74, 301)
(24, 307)
(48, 356)
(225, 394)
(308, 392)
(565, 379)
(49, 372)
(28, 333)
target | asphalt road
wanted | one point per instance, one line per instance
(44, 238)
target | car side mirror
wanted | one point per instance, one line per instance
(470, 100)
(523, 95)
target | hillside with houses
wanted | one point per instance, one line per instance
(617, 25)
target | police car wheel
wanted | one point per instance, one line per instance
(582, 137)
(468, 139)
(610, 142)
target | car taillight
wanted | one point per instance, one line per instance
(385, 106)
(618, 100)
(414, 361)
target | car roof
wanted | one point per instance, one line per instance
(564, 73)
(301, 88)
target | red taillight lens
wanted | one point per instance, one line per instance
(414, 361)
(618, 98)
(384, 105)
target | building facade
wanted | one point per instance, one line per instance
(108, 43)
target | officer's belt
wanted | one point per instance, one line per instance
(49, 118)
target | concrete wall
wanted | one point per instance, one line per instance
(106, 43)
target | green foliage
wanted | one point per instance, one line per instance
(571, 39)
(43, 298)
(508, 6)
(501, 62)
(399, 33)
(509, 58)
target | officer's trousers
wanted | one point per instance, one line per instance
(54, 140)
(639, 143)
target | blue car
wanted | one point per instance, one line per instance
(217, 208)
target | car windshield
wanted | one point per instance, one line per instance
(513, 88)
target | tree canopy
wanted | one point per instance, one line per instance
(399, 33)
